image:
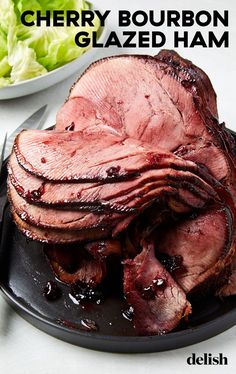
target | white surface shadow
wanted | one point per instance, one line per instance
(6, 316)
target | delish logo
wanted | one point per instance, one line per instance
(207, 359)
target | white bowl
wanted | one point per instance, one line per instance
(37, 84)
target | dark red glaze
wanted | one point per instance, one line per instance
(88, 325)
(71, 127)
(36, 194)
(86, 292)
(113, 171)
(51, 291)
(171, 263)
(150, 291)
(128, 313)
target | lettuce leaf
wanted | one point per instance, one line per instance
(24, 63)
(5, 68)
(28, 52)
(4, 82)
(3, 44)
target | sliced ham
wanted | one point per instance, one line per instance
(158, 302)
(138, 165)
(229, 287)
(74, 264)
(57, 236)
(117, 197)
(205, 243)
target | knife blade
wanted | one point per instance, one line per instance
(2, 151)
(3, 195)
(33, 122)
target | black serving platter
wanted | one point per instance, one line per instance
(24, 272)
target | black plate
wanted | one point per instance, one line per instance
(24, 271)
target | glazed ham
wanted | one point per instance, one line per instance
(210, 233)
(179, 91)
(138, 161)
(158, 301)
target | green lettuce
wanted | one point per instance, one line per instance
(3, 44)
(24, 63)
(5, 68)
(28, 52)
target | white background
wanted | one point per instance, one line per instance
(24, 349)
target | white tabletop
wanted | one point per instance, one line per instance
(23, 348)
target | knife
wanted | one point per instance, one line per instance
(2, 151)
(33, 122)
